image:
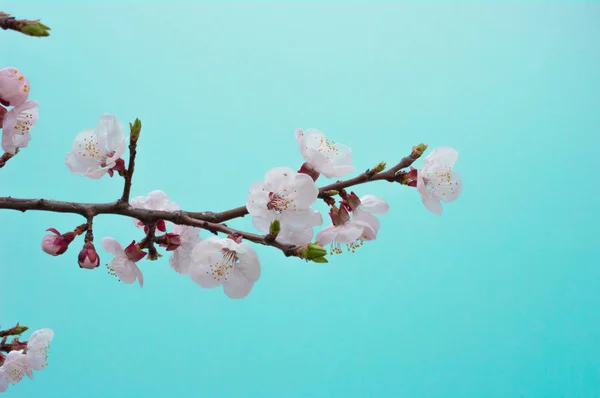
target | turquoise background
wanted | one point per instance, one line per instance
(498, 297)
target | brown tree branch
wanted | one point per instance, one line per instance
(134, 135)
(27, 27)
(206, 220)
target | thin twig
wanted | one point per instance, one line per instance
(6, 157)
(25, 26)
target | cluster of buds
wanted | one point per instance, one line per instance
(56, 244)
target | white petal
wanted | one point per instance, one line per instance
(180, 261)
(3, 379)
(349, 232)
(249, 264)
(263, 223)
(258, 197)
(237, 286)
(15, 366)
(443, 156)
(291, 236)
(327, 235)
(278, 178)
(368, 218)
(373, 204)
(37, 348)
(201, 274)
(111, 131)
(303, 191)
(113, 247)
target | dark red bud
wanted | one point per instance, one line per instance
(134, 252)
(88, 257)
(306, 168)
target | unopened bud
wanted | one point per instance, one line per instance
(418, 150)
(313, 252)
(379, 168)
(331, 192)
(34, 28)
(274, 228)
(56, 244)
(135, 128)
(88, 257)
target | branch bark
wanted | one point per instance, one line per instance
(206, 220)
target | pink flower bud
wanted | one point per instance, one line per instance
(134, 252)
(57, 244)
(88, 257)
(170, 240)
(306, 168)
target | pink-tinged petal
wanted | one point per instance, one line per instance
(3, 380)
(368, 218)
(14, 87)
(327, 235)
(249, 264)
(139, 276)
(16, 125)
(180, 261)
(298, 237)
(432, 204)
(374, 205)
(113, 247)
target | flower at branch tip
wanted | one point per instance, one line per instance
(16, 125)
(38, 347)
(88, 257)
(345, 230)
(286, 196)
(123, 265)
(363, 210)
(181, 259)
(96, 152)
(436, 181)
(326, 157)
(223, 261)
(14, 87)
(155, 200)
(15, 367)
(58, 243)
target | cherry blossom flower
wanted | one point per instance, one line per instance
(155, 200)
(345, 230)
(88, 257)
(98, 151)
(123, 265)
(181, 258)
(363, 210)
(224, 261)
(14, 87)
(37, 348)
(286, 196)
(57, 243)
(326, 157)
(436, 181)
(15, 367)
(16, 125)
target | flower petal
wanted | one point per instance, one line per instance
(278, 178)
(113, 247)
(444, 156)
(374, 205)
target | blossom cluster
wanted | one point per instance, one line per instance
(24, 357)
(17, 114)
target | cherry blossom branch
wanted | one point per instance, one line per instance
(27, 27)
(14, 331)
(135, 129)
